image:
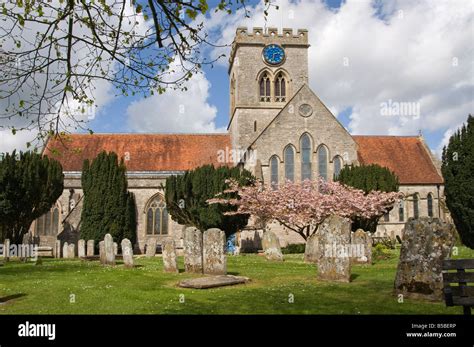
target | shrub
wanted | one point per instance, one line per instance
(296, 248)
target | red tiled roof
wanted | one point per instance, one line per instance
(147, 152)
(406, 156)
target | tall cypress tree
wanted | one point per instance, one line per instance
(458, 173)
(108, 207)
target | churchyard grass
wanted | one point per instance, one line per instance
(290, 287)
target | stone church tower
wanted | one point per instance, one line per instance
(259, 89)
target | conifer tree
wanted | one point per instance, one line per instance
(30, 184)
(458, 173)
(108, 207)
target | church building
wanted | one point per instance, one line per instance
(278, 128)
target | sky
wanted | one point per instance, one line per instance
(382, 68)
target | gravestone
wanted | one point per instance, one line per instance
(109, 250)
(65, 250)
(127, 253)
(90, 248)
(6, 249)
(170, 263)
(334, 239)
(102, 257)
(361, 247)
(71, 251)
(151, 247)
(214, 257)
(310, 252)
(426, 243)
(271, 246)
(57, 249)
(115, 248)
(193, 250)
(81, 248)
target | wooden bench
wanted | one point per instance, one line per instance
(461, 294)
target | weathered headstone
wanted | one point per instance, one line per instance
(334, 238)
(193, 250)
(81, 248)
(271, 246)
(361, 247)
(214, 257)
(127, 253)
(90, 248)
(426, 243)
(151, 247)
(103, 259)
(115, 248)
(311, 249)
(170, 263)
(71, 251)
(6, 249)
(109, 250)
(57, 249)
(65, 250)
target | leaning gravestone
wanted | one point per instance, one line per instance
(102, 257)
(170, 263)
(109, 250)
(361, 247)
(81, 248)
(271, 246)
(90, 248)
(214, 258)
(71, 251)
(65, 250)
(427, 242)
(334, 238)
(310, 252)
(127, 253)
(151, 247)
(193, 250)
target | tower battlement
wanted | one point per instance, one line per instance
(261, 37)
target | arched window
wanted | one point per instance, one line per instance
(280, 88)
(401, 211)
(157, 217)
(289, 164)
(274, 172)
(323, 162)
(337, 166)
(305, 157)
(429, 201)
(48, 224)
(265, 88)
(416, 212)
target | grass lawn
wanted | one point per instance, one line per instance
(46, 289)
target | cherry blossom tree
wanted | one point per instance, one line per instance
(303, 206)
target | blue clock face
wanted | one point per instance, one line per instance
(273, 54)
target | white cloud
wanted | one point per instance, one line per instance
(176, 111)
(420, 52)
